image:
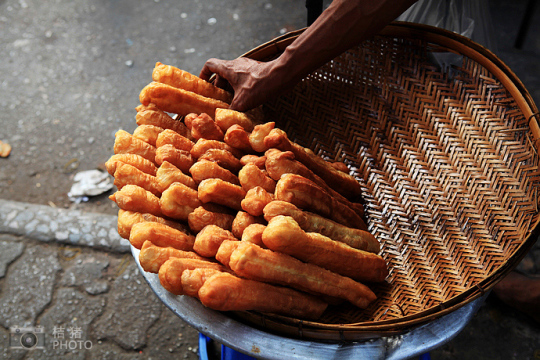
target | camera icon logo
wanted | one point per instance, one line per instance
(28, 338)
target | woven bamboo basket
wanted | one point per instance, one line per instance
(447, 158)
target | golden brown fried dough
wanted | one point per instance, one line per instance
(225, 250)
(256, 138)
(225, 118)
(203, 145)
(179, 158)
(178, 78)
(152, 115)
(221, 192)
(135, 198)
(255, 200)
(138, 161)
(343, 183)
(310, 222)
(125, 143)
(238, 138)
(188, 119)
(242, 220)
(204, 127)
(147, 133)
(253, 234)
(151, 257)
(209, 239)
(283, 162)
(126, 174)
(160, 235)
(224, 158)
(256, 160)
(284, 235)
(226, 292)
(251, 176)
(178, 101)
(193, 280)
(168, 174)
(309, 196)
(339, 166)
(171, 137)
(253, 262)
(205, 169)
(178, 201)
(170, 273)
(202, 216)
(126, 220)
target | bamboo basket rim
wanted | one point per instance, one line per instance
(452, 42)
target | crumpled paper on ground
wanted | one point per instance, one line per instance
(89, 183)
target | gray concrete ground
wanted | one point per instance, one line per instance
(71, 74)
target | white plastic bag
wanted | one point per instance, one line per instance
(470, 18)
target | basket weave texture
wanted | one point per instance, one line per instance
(446, 158)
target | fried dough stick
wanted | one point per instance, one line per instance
(125, 143)
(147, 133)
(343, 183)
(203, 145)
(284, 235)
(160, 235)
(168, 174)
(178, 201)
(209, 239)
(259, 133)
(179, 101)
(204, 215)
(225, 250)
(238, 138)
(242, 220)
(224, 158)
(135, 198)
(138, 161)
(188, 119)
(256, 160)
(170, 273)
(206, 169)
(253, 262)
(152, 115)
(310, 222)
(226, 292)
(255, 200)
(171, 137)
(283, 162)
(309, 196)
(221, 192)
(253, 234)
(193, 280)
(251, 176)
(204, 127)
(126, 220)
(151, 257)
(225, 118)
(126, 174)
(178, 78)
(179, 158)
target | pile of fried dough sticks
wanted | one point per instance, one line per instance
(226, 209)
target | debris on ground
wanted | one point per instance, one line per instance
(89, 183)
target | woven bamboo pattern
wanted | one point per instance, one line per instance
(447, 162)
